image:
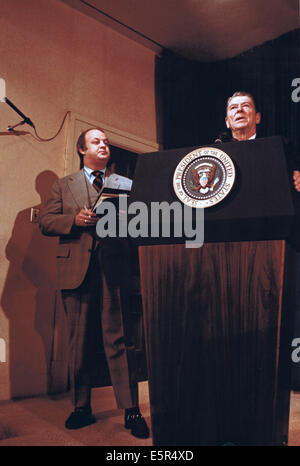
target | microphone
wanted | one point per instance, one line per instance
(26, 119)
(223, 137)
(3, 98)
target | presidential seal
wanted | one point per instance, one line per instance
(204, 177)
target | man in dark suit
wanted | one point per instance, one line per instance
(241, 118)
(91, 274)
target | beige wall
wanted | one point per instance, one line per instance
(53, 59)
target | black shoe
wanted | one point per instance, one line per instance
(79, 418)
(137, 424)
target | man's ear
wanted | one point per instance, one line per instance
(258, 118)
(227, 124)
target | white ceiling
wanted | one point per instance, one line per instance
(204, 30)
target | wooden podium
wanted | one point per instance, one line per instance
(218, 319)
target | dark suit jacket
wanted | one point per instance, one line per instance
(68, 196)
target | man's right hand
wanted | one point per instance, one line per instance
(86, 218)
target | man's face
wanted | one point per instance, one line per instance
(97, 152)
(241, 114)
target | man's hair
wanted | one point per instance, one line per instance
(80, 146)
(242, 93)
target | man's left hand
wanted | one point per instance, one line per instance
(296, 178)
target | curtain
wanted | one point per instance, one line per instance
(191, 96)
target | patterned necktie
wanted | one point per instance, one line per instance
(98, 181)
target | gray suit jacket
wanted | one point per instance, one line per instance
(68, 196)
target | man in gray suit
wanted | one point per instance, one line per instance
(91, 273)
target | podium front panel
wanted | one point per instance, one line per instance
(217, 329)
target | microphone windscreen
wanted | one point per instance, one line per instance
(2, 90)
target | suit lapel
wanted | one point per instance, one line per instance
(77, 186)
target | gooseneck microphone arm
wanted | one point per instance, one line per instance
(26, 119)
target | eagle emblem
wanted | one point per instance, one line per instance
(204, 179)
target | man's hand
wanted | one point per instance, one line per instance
(296, 178)
(88, 218)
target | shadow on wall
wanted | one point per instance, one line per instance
(29, 299)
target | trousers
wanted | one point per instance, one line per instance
(98, 301)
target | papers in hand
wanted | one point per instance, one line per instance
(110, 194)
